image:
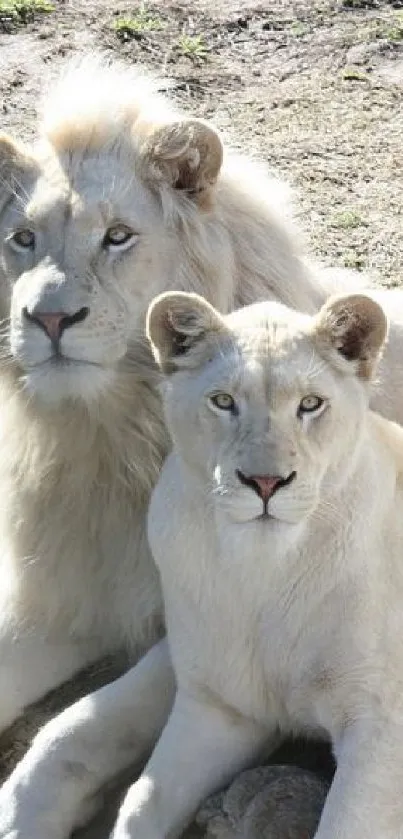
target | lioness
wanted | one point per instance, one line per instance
(277, 527)
(120, 199)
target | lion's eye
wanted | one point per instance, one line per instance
(223, 401)
(119, 237)
(22, 240)
(310, 404)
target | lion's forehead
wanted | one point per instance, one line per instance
(270, 319)
(277, 362)
(110, 185)
(90, 191)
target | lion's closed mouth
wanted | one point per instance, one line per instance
(57, 360)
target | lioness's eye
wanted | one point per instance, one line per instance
(223, 401)
(118, 237)
(310, 404)
(22, 240)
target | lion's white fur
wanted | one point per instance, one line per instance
(82, 445)
(289, 619)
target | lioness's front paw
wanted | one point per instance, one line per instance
(136, 818)
(131, 828)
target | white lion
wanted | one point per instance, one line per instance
(277, 527)
(120, 199)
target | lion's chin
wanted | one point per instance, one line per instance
(77, 380)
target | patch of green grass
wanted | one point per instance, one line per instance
(390, 28)
(352, 259)
(138, 24)
(24, 10)
(354, 74)
(298, 28)
(347, 220)
(192, 46)
(394, 33)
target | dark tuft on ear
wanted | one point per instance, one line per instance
(187, 154)
(355, 327)
(177, 325)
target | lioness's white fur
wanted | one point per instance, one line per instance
(82, 442)
(283, 601)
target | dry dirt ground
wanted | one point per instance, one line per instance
(313, 87)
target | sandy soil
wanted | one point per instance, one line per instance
(314, 87)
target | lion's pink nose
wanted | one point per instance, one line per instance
(54, 323)
(51, 323)
(263, 485)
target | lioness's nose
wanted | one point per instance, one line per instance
(54, 323)
(265, 485)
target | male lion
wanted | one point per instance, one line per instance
(120, 199)
(277, 528)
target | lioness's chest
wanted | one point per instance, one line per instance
(242, 636)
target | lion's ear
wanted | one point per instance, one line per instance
(186, 153)
(15, 164)
(352, 329)
(180, 327)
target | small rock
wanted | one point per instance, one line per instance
(270, 802)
